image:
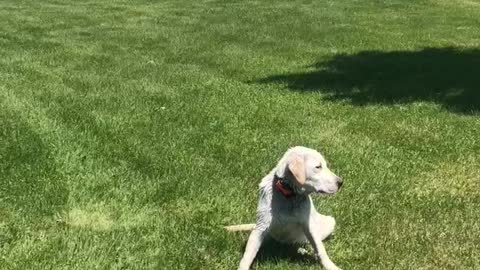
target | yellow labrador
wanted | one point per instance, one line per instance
(286, 211)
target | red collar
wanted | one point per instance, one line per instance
(284, 189)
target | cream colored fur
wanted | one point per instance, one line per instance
(293, 220)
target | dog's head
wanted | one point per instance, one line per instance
(307, 170)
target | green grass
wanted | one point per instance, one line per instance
(131, 131)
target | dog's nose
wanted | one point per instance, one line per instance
(339, 182)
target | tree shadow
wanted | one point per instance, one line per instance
(447, 76)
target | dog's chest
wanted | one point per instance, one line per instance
(289, 218)
(290, 211)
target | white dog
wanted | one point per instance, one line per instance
(286, 211)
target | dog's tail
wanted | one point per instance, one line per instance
(241, 227)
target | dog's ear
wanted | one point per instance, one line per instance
(297, 167)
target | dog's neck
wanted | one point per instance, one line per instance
(285, 187)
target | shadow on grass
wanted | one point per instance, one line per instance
(32, 190)
(447, 76)
(273, 251)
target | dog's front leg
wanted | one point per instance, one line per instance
(253, 245)
(315, 238)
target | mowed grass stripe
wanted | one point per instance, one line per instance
(131, 132)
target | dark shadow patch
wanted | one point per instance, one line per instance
(31, 188)
(273, 251)
(446, 76)
(29, 181)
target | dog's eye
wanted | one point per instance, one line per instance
(319, 166)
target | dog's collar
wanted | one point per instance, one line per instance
(284, 187)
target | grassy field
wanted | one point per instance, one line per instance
(132, 131)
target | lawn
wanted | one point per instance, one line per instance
(132, 131)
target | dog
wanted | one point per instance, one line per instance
(285, 209)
